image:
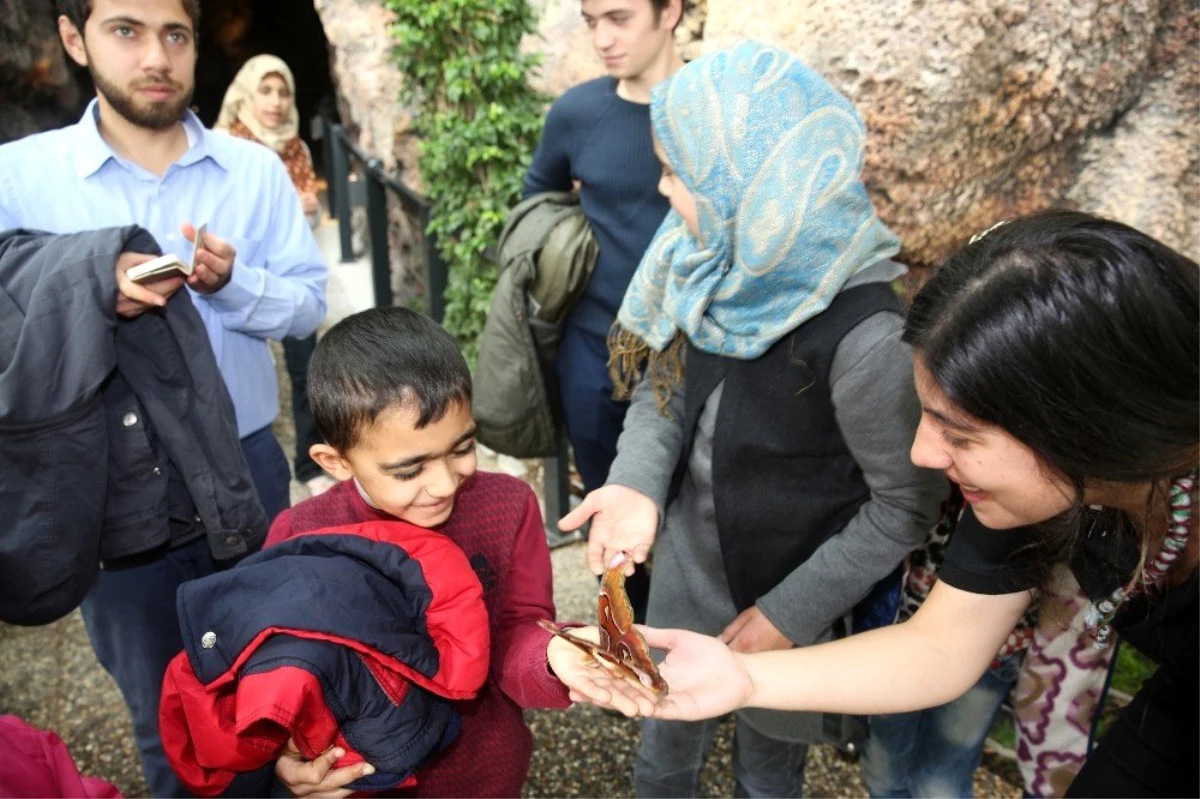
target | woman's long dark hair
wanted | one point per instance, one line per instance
(1077, 335)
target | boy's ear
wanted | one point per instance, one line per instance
(72, 39)
(331, 461)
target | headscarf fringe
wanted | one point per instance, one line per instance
(630, 359)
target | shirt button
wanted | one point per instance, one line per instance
(197, 519)
(157, 470)
(232, 540)
(129, 420)
(208, 640)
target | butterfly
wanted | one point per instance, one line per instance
(621, 647)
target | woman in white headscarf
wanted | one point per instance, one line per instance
(260, 105)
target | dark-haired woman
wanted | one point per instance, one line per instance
(1057, 360)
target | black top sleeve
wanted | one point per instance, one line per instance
(986, 561)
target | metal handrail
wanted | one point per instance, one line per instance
(339, 149)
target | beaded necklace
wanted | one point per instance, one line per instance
(1099, 615)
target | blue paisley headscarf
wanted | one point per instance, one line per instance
(773, 155)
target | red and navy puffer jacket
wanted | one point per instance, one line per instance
(354, 636)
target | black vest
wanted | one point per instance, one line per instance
(783, 479)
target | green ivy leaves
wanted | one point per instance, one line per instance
(479, 121)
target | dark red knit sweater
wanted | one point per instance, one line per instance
(497, 523)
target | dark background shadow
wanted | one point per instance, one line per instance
(40, 88)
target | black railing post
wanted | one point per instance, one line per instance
(556, 482)
(340, 169)
(377, 229)
(322, 127)
(435, 272)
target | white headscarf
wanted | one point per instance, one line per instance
(239, 97)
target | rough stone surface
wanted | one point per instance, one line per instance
(1144, 169)
(37, 88)
(368, 83)
(978, 110)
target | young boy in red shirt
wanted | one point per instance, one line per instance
(391, 396)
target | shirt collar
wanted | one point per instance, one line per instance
(93, 152)
(362, 494)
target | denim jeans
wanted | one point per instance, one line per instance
(131, 620)
(269, 471)
(934, 752)
(673, 752)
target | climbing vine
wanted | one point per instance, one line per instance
(478, 121)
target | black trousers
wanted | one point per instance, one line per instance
(1153, 746)
(296, 353)
(594, 420)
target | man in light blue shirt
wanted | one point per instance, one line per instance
(140, 156)
(77, 179)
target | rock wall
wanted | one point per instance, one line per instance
(983, 109)
(1145, 168)
(37, 89)
(978, 109)
(368, 83)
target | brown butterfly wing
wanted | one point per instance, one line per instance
(584, 644)
(594, 650)
(617, 634)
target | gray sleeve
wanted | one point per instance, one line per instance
(649, 446)
(877, 411)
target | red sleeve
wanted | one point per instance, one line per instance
(519, 651)
(281, 529)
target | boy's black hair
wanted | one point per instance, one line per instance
(379, 359)
(78, 12)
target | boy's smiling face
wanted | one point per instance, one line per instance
(410, 473)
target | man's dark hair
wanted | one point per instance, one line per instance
(78, 12)
(661, 5)
(378, 359)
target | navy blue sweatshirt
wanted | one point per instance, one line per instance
(593, 136)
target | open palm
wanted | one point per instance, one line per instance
(622, 519)
(704, 677)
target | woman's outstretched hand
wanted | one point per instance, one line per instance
(704, 677)
(589, 680)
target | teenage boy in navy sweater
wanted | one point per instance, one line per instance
(597, 138)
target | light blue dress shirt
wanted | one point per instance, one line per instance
(68, 180)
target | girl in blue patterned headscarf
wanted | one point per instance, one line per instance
(766, 157)
(778, 464)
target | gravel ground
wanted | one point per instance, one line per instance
(50, 677)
